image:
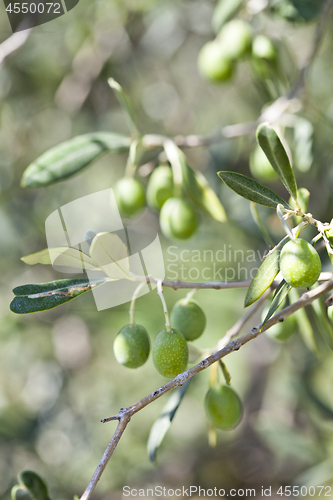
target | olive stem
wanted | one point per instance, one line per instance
(190, 296)
(160, 294)
(134, 297)
(172, 154)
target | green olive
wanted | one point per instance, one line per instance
(223, 407)
(188, 318)
(235, 39)
(131, 346)
(160, 187)
(213, 64)
(262, 48)
(300, 264)
(130, 196)
(260, 167)
(170, 353)
(178, 219)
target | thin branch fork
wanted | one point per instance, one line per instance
(125, 414)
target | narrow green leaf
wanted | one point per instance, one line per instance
(303, 140)
(199, 190)
(224, 11)
(263, 278)
(251, 189)
(125, 102)
(280, 294)
(110, 253)
(34, 484)
(62, 256)
(72, 156)
(273, 148)
(44, 296)
(163, 423)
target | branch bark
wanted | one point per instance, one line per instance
(125, 414)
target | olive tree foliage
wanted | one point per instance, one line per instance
(180, 193)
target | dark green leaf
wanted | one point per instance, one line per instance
(34, 484)
(251, 190)
(224, 11)
(298, 10)
(162, 424)
(70, 157)
(280, 294)
(44, 296)
(271, 145)
(264, 277)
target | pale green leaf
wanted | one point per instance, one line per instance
(251, 189)
(224, 11)
(111, 254)
(70, 157)
(263, 278)
(62, 256)
(163, 423)
(125, 102)
(199, 190)
(273, 148)
(280, 294)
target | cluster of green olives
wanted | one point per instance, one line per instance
(169, 349)
(218, 58)
(178, 218)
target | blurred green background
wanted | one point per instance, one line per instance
(58, 372)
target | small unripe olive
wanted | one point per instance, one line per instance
(170, 353)
(130, 196)
(300, 263)
(235, 39)
(178, 220)
(131, 346)
(260, 167)
(223, 407)
(160, 187)
(213, 64)
(262, 48)
(188, 318)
